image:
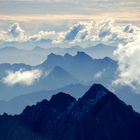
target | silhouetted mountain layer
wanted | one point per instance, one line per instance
(82, 66)
(50, 80)
(59, 71)
(98, 115)
(12, 54)
(57, 78)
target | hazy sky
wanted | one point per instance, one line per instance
(65, 11)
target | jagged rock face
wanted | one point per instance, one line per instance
(36, 122)
(61, 101)
(99, 118)
(98, 115)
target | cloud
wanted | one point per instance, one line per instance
(51, 36)
(14, 33)
(74, 31)
(106, 31)
(99, 74)
(22, 77)
(129, 64)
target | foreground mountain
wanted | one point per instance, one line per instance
(98, 115)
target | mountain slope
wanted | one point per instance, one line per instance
(98, 115)
(57, 78)
(54, 79)
(100, 51)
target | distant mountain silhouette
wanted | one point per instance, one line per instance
(100, 51)
(98, 115)
(11, 54)
(57, 78)
(54, 79)
(9, 49)
(79, 68)
(81, 65)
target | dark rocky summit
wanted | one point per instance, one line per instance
(98, 115)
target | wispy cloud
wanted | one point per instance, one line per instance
(22, 77)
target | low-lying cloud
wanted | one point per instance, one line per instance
(22, 77)
(129, 64)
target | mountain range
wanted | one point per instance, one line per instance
(11, 54)
(81, 65)
(60, 72)
(97, 115)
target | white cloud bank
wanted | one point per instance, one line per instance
(129, 64)
(22, 77)
(105, 31)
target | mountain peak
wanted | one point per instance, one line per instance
(67, 55)
(9, 48)
(107, 58)
(100, 45)
(81, 53)
(83, 56)
(58, 69)
(53, 57)
(61, 101)
(85, 119)
(38, 48)
(90, 99)
(97, 91)
(60, 75)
